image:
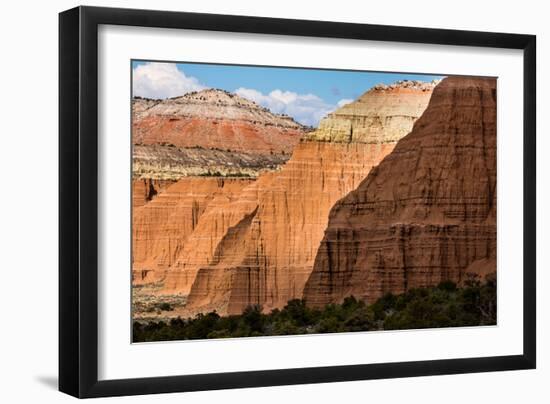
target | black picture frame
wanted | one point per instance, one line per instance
(78, 201)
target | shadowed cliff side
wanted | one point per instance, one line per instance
(265, 252)
(427, 213)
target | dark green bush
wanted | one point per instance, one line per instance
(444, 305)
(166, 307)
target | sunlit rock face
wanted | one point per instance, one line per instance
(213, 119)
(260, 249)
(390, 110)
(146, 189)
(162, 225)
(426, 213)
(191, 153)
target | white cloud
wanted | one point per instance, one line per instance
(307, 109)
(163, 80)
(344, 101)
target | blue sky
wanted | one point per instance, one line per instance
(305, 94)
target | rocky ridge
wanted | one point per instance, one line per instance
(183, 162)
(391, 109)
(213, 119)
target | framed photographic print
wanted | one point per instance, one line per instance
(251, 201)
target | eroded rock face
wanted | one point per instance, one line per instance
(391, 110)
(144, 190)
(213, 119)
(161, 226)
(170, 163)
(266, 257)
(261, 248)
(427, 213)
(190, 153)
(222, 214)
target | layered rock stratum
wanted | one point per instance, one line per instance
(161, 226)
(209, 133)
(191, 152)
(260, 248)
(170, 163)
(389, 109)
(213, 119)
(426, 213)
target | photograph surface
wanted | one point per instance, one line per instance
(282, 201)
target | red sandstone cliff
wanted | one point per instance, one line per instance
(213, 119)
(266, 257)
(144, 190)
(260, 248)
(161, 226)
(427, 213)
(190, 153)
(222, 215)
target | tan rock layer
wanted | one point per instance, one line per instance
(173, 163)
(391, 110)
(427, 213)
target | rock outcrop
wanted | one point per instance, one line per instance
(266, 257)
(389, 109)
(145, 189)
(190, 153)
(172, 163)
(161, 227)
(260, 249)
(426, 213)
(213, 119)
(214, 224)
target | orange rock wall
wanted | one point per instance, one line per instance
(221, 215)
(146, 189)
(260, 249)
(266, 257)
(427, 213)
(161, 227)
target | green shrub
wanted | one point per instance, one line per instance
(165, 307)
(444, 305)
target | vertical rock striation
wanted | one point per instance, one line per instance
(161, 227)
(192, 153)
(222, 214)
(261, 248)
(145, 189)
(426, 213)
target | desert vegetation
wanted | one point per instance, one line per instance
(444, 305)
